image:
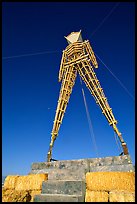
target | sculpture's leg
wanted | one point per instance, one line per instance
(88, 75)
(66, 89)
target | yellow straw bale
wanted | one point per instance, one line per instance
(121, 197)
(10, 182)
(11, 195)
(31, 182)
(107, 181)
(96, 196)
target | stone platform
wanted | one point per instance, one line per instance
(115, 163)
(66, 178)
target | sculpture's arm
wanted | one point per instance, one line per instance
(89, 50)
(62, 69)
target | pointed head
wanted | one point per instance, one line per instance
(74, 37)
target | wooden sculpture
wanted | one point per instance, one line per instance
(78, 57)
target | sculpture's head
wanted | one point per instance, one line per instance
(74, 37)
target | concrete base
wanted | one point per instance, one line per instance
(116, 163)
(66, 178)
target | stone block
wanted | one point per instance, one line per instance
(63, 187)
(124, 159)
(40, 165)
(117, 196)
(58, 198)
(107, 181)
(62, 174)
(94, 162)
(10, 182)
(62, 164)
(107, 161)
(66, 174)
(96, 196)
(30, 182)
(120, 168)
(40, 171)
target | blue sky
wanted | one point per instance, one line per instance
(30, 86)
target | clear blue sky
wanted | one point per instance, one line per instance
(30, 86)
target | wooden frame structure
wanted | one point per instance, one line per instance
(78, 57)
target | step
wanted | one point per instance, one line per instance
(63, 187)
(58, 198)
(62, 174)
(66, 174)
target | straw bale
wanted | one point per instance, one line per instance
(11, 195)
(107, 181)
(10, 182)
(31, 182)
(115, 196)
(96, 196)
(33, 193)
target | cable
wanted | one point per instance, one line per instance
(116, 78)
(104, 19)
(25, 55)
(89, 121)
(118, 145)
